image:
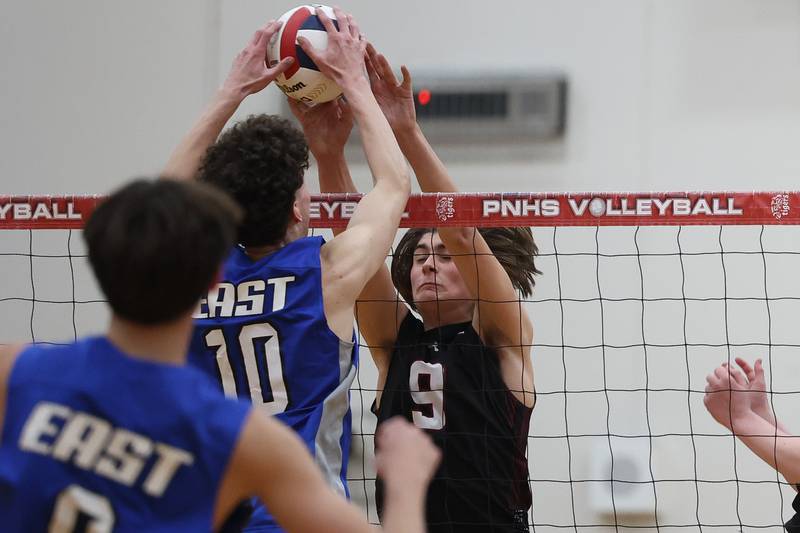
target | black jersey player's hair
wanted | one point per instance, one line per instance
(514, 248)
(156, 245)
(260, 162)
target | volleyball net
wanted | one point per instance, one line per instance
(641, 297)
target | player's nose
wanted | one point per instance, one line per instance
(430, 264)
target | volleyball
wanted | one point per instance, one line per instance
(302, 80)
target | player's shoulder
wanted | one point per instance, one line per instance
(60, 360)
(302, 252)
(195, 386)
(199, 392)
(310, 246)
(199, 406)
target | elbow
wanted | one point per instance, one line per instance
(458, 239)
(404, 182)
(398, 189)
(791, 475)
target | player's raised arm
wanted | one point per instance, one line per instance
(327, 128)
(289, 483)
(378, 312)
(249, 74)
(734, 403)
(499, 318)
(354, 256)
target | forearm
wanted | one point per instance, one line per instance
(432, 176)
(431, 173)
(334, 176)
(386, 161)
(404, 510)
(185, 161)
(773, 445)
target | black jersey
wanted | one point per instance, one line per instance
(448, 383)
(793, 525)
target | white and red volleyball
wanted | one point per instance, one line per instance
(303, 80)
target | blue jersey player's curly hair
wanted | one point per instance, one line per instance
(260, 162)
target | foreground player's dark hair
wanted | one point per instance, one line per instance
(260, 162)
(514, 248)
(155, 246)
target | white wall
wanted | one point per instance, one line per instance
(676, 95)
(664, 95)
(684, 94)
(95, 92)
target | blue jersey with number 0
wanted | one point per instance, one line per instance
(262, 333)
(94, 440)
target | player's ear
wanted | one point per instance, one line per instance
(297, 212)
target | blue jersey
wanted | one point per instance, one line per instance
(94, 440)
(262, 333)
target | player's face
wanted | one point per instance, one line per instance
(435, 278)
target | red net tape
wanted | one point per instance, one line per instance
(484, 209)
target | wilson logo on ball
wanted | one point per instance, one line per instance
(292, 88)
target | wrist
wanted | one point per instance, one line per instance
(764, 412)
(410, 488)
(327, 155)
(355, 87)
(229, 97)
(406, 132)
(742, 420)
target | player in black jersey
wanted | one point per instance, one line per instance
(464, 372)
(738, 399)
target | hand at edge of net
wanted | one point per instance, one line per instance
(728, 397)
(756, 384)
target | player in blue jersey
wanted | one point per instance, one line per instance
(114, 433)
(278, 329)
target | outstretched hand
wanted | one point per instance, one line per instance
(249, 73)
(343, 59)
(326, 126)
(756, 384)
(395, 98)
(728, 397)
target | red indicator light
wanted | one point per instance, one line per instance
(424, 97)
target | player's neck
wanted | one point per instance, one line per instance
(163, 343)
(292, 234)
(437, 315)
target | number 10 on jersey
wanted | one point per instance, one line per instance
(255, 341)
